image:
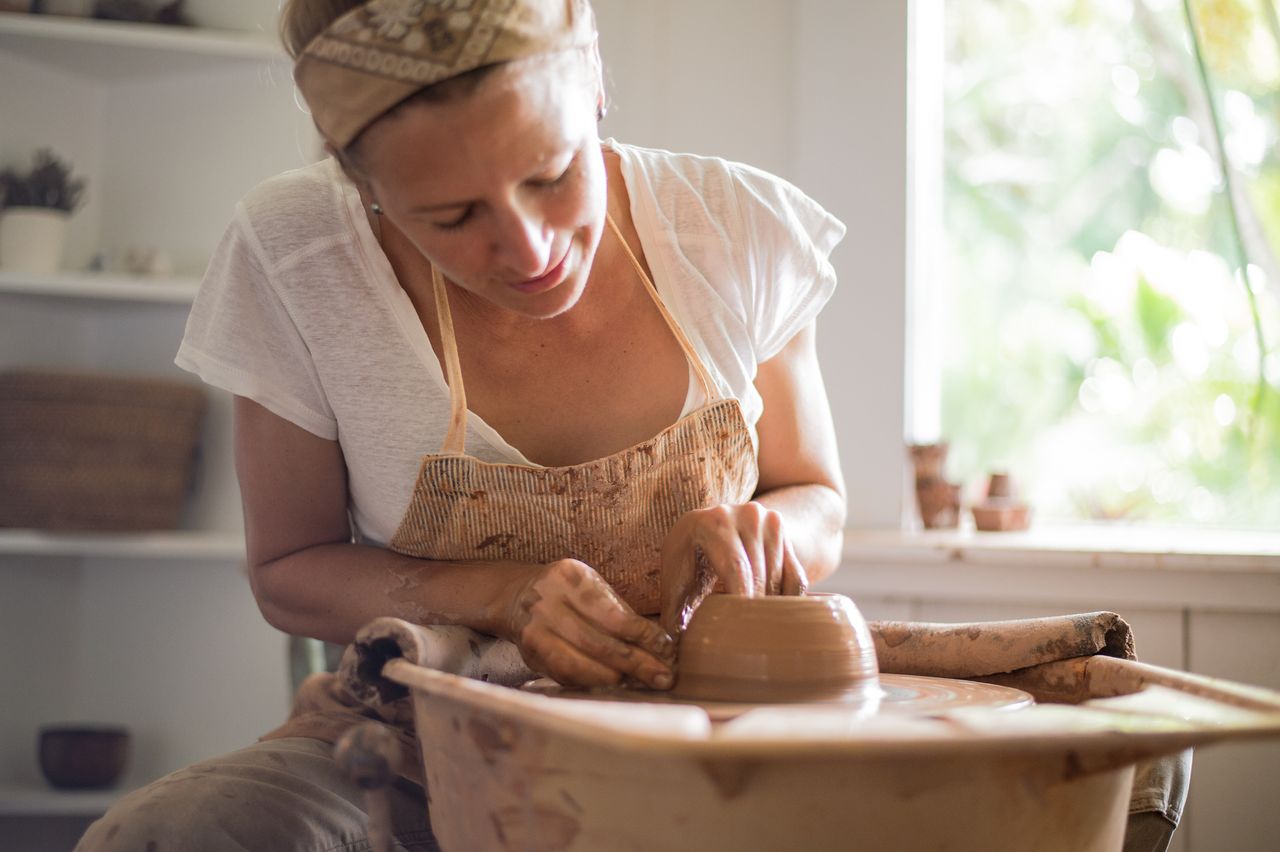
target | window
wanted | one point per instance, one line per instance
(1098, 300)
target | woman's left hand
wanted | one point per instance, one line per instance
(741, 549)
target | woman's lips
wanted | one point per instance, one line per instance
(545, 281)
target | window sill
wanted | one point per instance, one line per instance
(1214, 570)
(1112, 546)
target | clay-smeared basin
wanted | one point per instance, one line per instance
(777, 650)
(530, 770)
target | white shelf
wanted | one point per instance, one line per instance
(182, 544)
(44, 801)
(101, 286)
(121, 50)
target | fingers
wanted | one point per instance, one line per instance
(743, 547)
(622, 622)
(775, 547)
(580, 632)
(620, 657)
(717, 537)
(746, 548)
(794, 579)
(550, 654)
(686, 580)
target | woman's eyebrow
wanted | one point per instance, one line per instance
(429, 208)
(543, 161)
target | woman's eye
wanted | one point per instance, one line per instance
(557, 179)
(456, 223)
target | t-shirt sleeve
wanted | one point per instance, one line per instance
(787, 238)
(242, 337)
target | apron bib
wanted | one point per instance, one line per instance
(612, 513)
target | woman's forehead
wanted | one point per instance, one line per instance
(514, 123)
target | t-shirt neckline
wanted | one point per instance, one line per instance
(415, 334)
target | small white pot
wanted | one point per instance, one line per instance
(31, 239)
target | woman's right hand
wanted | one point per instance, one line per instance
(570, 625)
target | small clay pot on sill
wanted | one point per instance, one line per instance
(937, 499)
(939, 504)
(1001, 514)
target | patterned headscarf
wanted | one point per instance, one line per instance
(380, 53)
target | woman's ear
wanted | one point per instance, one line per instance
(602, 107)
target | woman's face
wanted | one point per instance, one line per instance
(503, 189)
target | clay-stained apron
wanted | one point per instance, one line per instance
(612, 513)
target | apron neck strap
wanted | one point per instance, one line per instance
(456, 438)
(704, 378)
(455, 441)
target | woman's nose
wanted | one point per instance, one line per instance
(523, 241)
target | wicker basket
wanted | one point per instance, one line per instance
(89, 451)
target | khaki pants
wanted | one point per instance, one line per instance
(288, 794)
(279, 795)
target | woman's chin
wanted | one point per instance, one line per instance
(546, 304)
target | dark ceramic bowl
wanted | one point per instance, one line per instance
(83, 758)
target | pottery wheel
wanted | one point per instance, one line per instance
(899, 695)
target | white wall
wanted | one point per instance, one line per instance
(815, 91)
(231, 127)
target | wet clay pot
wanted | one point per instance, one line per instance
(777, 649)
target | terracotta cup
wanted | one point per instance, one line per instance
(1000, 485)
(777, 649)
(928, 460)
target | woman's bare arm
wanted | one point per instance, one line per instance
(310, 580)
(800, 474)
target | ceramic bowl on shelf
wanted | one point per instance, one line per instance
(83, 757)
(777, 649)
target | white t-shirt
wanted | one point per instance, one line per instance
(301, 312)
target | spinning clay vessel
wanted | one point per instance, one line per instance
(774, 649)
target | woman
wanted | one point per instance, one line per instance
(491, 371)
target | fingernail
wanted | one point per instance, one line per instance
(662, 681)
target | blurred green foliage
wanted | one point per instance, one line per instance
(1099, 341)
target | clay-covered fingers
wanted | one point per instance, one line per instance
(718, 535)
(742, 549)
(774, 547)
(572, 626)
(552, 655)
(795, 581)
(625, 661)
(746, 548)
(621, 621)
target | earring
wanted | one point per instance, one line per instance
(375, 208)
(601, 112)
